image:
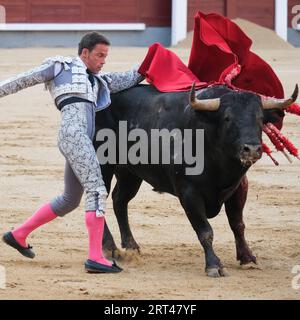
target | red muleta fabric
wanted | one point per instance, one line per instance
(220, 54)
(219, 46)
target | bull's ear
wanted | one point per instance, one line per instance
(205, 104)
(273, 103)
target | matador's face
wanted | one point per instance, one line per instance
(95, 59)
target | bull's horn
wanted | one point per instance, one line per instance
(206, 104)
(273, 103)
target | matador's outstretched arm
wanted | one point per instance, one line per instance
(40, 74)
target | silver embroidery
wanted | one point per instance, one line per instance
(77, 147)
(79, 78)
(61, 59)
(80, 70)
(40, 74)
(118, 81)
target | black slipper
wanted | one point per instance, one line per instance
(9, 239)
(96, 267)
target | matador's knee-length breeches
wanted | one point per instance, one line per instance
(82, 171)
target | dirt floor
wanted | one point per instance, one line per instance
(172, 262)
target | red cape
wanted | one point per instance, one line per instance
(220, 54)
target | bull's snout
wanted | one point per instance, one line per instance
(249, 154)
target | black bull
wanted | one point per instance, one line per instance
(232, 142)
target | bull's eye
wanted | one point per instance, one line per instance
(227, 118)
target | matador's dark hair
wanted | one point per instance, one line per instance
(90, 40)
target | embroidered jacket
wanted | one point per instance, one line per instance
(67, 76)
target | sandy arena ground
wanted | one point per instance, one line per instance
(172, 262)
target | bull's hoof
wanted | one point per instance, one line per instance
(216, 272)
(130, 244)
(251, 265)
(112, 253)
(133, 255)
(127, 255)
(246, 257)
(116, 254)
(136, 251)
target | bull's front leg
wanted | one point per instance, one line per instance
(234, 209)
(195, 210)
(109, 244)
(108, 241)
